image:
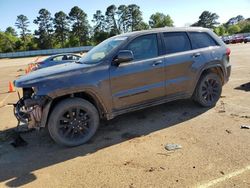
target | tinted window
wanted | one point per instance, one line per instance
(59, 58)
(73, 57)
(144, 47)
(201, 40)
(176, 42)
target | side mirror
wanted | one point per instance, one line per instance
(123, 57)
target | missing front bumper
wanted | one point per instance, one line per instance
(30, 111)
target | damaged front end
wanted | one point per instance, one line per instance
(29, 108)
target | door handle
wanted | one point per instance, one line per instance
(196, 55)
(157, 63)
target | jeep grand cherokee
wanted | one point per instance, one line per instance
(122, 74)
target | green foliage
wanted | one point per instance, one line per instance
(221, 30)
(233, 29)
(80, 25)
(123, 19)
(61, 26)
(134, 17)
(31, 43)
(22, 23)
(11, 31)
(111, 20)
(142, 26)
(100, 36)
(117, 20)
(99, 21)
(242, 26)
(246, 29)
(73, 41)
(160, 20)
(45, 29)
(207, 20)
(7, 42)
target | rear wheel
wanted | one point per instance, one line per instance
(208, 90)
(73, 122)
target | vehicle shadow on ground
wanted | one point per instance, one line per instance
(244, 87)
(17, 164)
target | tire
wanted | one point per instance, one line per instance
(73, 122)
(208, 90)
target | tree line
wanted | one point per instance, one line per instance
(234, 25)
(73, 29)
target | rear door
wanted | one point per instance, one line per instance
(204, 43)
(179, 60)
(143, 78)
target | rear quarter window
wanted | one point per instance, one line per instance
(201, 40)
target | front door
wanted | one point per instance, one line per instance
(141, 80)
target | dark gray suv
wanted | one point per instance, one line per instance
(122, 74)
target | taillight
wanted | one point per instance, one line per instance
(39, 63)
(228, 51)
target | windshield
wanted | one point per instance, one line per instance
(102, 50)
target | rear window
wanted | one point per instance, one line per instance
(176, 42)
(201, 40)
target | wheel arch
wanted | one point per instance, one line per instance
(87, 95)
(217, 69)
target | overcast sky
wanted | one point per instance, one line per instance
(183, 12)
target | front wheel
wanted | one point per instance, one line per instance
(208, 90)
(73, 122)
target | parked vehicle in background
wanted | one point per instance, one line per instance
(247, 39)
(237, 39)
(124, 73)
(56, 60)
(227, 39)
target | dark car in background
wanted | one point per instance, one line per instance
(247, 39)
(56, 60)
(227, 39)
(124, 73)
(237, 39)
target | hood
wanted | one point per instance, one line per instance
(49, 73)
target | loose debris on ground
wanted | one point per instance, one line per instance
(222, 107)
(228, 131)
(239, 116)
(172, 147)
(245, 127)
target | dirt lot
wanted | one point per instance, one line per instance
(129, 150)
